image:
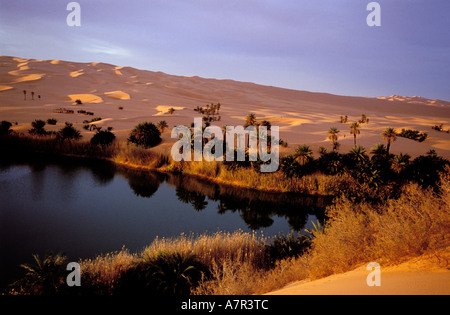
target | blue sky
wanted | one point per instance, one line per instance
(313, 45)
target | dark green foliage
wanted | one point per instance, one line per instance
(45, 276)
(165, 273)
(289, 166)
(68, 132)
(330, 163)
(425, 170)
(146, 135)
(287, 246)
(413, 134)
(38, 128)
(103, 137)
(51, 121)
(4, 128)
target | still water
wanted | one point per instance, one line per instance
(88, 208)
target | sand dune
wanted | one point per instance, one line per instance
(86, 98)
(118, 95)
(303, 117)
(77, 73)
(5, 88)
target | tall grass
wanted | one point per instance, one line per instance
(416, 223)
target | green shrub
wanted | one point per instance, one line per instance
(164, 273)
(146, 135)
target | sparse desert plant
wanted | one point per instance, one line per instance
(162, 125)
(78, 102)
(52, 121)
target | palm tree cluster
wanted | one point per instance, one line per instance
(382, 168)
(210, 113)
(250, 120)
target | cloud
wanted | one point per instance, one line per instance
(106, 49)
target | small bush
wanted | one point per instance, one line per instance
(52, 121)
(68, 132)
(5, 128)
(103, 138)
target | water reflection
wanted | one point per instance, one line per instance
(257, 209)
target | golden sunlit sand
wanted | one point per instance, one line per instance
(303, 117)
(419, 276)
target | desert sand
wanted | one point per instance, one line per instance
(124, 96)
(418, 276)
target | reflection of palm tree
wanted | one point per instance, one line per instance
(354, 130)
(196, 199)
(255, 219)
(390, 136)
(144, 185)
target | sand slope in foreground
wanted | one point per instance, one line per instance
(415, 277)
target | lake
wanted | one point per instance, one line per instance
(86, 208)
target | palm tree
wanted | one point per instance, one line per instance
(250, 119)
(303, 154)
(400, 162)
(162, 125)
(171, 110)
(25, 95)
(378, 150)
(46, 276)
(266, 123)
(174, 273)
(333, 136)
(363, 118)
(358, 153)
(354, 130)
(38, 128)
(32, 95)
(390, 136)
(68, 132)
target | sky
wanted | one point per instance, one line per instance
(312, 45)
